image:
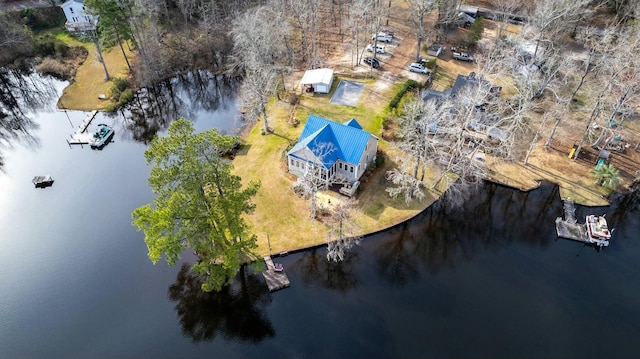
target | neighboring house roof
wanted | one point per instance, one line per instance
(461, 82)
(349, 140)
(317, 76)
(471, 10)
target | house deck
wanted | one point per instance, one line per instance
(275, 280)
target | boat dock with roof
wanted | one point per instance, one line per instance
(594, 231)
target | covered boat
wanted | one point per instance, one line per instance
(102, 136)
(42, 181)
(597, 230)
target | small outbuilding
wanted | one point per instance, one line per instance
(318, 80)
(435, 50)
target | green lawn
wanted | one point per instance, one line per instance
(280, 213)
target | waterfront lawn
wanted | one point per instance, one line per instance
(283, 216)
(82, 93)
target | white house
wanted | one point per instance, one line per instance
(318, 80)
(78, 18)
(336, 153)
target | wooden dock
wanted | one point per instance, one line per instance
(81, 137)
(276, 280)
(568, 227)
(574, 231)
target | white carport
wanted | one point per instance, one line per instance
(319, 80)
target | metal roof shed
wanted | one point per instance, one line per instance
(319, 79)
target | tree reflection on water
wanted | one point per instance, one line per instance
(236, 312)
(22, 93)
(153, 108)
(443, 237)
(314, 268)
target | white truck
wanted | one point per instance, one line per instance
(382, 37)
(462, 56)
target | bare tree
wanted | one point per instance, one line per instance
(342, 235)
(625, 10)
(618, 84)
(14, 39)
(358, 22)
(315, 174)
(258, 86)
(505, 9)
(404, 183)
(557, 112)
(417, 10)
(447, 13)
(306, 19)
(259, 53)
(455, 132)
(553, 17)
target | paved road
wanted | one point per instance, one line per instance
(17, 5)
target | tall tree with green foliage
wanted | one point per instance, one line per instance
(199, 204)
(475, 31)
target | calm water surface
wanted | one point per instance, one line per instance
(489, 280)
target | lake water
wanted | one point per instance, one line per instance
(488, 280)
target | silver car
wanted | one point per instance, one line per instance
(416, 67)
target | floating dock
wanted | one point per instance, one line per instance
(42, 181)
(276, 280)
(574, 231)
(81, 137)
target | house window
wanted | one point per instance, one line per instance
(351, 169)
(340, 165)
(71, 10)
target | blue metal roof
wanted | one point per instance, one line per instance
(349, 140)
(353, 123)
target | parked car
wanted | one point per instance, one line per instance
(417, 67)
(380, 49)
(371, 62)
(382, 37)
(462, 56)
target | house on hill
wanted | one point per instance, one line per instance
(335, 153)
(78, 18)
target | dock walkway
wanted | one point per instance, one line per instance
(276, 280)
(80, 137)
(568, 227)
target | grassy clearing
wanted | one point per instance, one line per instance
(282, 215)
(82, 93)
